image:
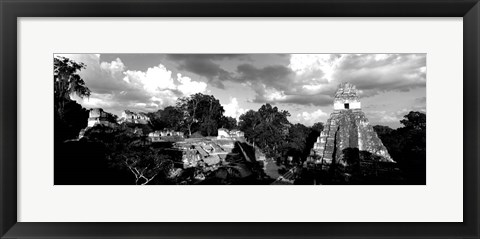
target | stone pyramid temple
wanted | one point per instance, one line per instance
(347, 127)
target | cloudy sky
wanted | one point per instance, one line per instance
(390, 84)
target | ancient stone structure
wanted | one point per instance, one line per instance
(347, 128)
(132, 117)
(164, 135)
(99, 117)
(230, 134)
(200, 151)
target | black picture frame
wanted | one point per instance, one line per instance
(10, 10)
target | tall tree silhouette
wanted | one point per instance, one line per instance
(201, 112)
(67, 81)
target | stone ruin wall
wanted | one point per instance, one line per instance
(347, 128)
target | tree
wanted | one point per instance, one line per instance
(382, 130)
(155, 119)
(208, 126)
(314, 133)
(407, 146)
(145, 163)
(127, 151)
(317, 127)
(415, 127)
(73, 118)
(69, 116)
(415, 120)
(296, 142)
(228, 122)
(67, 81)
(172, 118)
(273, 128)
(248, 124)
(210, 113)
(169, 118)
(189, 106)
(201, 112)
(267, 128)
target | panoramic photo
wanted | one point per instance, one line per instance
(239, 119)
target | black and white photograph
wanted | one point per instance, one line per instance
(240, 119)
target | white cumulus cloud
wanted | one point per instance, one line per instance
(156, 78)
(115, 88)
(232, 109)
(187, 86)
(309, 64)
(309, 119)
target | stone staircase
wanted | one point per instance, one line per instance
(325, 145)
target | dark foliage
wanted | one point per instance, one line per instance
(266, 128)
(85, 163)
(407, 146)
(126, 151)
(201, 113)
(69, 116)
(228, 122)
(382, 130)
(169, 118)
(68, 124)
